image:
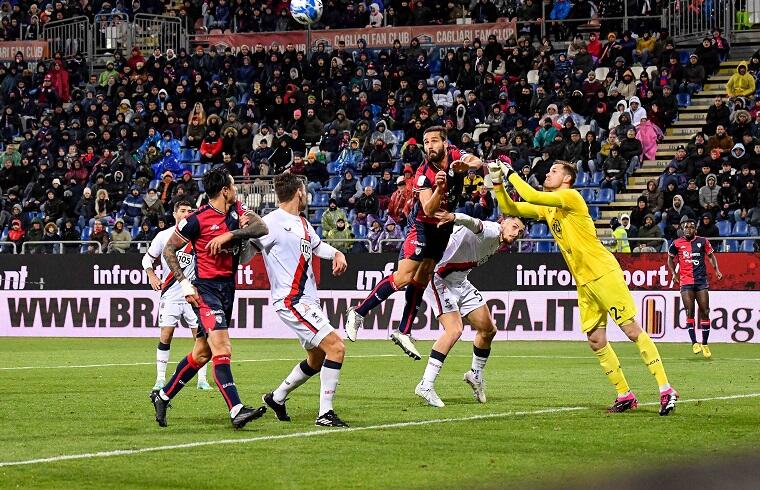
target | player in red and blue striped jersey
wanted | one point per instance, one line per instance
(437, 186)
(215, 232)
(690, 252)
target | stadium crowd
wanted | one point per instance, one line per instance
(104, 156)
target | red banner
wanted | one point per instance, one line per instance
(377, 38)
(32, 50)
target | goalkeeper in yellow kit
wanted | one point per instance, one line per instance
(601, 288)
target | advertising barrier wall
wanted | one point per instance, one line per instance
(531, 298)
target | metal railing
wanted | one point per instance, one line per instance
(257, 192)
(335, 242)
(69, 36)
(525, 245)
(688, 20)
(158, 31)
(58, 246)
(132, 245)
(738, 241)
(5, 244)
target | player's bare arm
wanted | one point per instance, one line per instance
(465, 163)
(147, 264)
(431, 198)
(339, 264)
(255, 228)
(672, 268)
(714, 263)
(175, 243)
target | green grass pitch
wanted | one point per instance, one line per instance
(544, 422)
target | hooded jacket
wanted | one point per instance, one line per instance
(741, 85)
(649, 134)
(638, 113)
(708, 197)
(652, 231)
(655, 199)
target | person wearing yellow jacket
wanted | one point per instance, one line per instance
(741, 83)
(621, 243)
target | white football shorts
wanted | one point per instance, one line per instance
(447, 297)
(308, 322)
(170, 314)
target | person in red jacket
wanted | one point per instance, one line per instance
(59, 77)
(211, 147)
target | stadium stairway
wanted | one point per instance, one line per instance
(690, 121)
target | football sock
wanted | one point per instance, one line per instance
(690, 329)
(202, 373)
(298, 376)
(611, 367)
(328, 376)
(434, 365)
(704, 325)
(479, 359)
(223, 378)
(413, 301)
(382, 291)
(162, 359)
(651, 358)
(185, 371)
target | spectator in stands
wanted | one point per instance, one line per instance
(691, 195)
(726, 173)
(103, 206)
(350, 156)
(631, 150)
(614, 168)
(348, 190)
(620, 237)
(655, 199)
(120, 238)
(625, 221)
(379, 159)
(391, 231)
(131, 207)
(166, 187)
(367, 205)
(70, 233)
(728, 200)
(373, 235)
(340, 236)
(16, 235)
(546, 134)
(721, 140)
(693, 75)
(649, 229)
(708, 195)
(386, 186)
(400, 199)
(146, 233)
(331, 216)
(673, 216)
(482, 203)
(717, 115)
(708, 229)
(35, 234)
(741, 83)
(152, 207)
(753, 215)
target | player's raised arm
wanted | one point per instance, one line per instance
(255, 228)
(506, 205)
(431, 198)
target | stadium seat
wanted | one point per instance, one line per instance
(332, 168)
(189, 155)
(651, 70)
(661, 224)
(320, 200)
(370, 181)
(317, 218)
(637, 70)
(399, 134)
(684, 100)
(318, 230)
(533, 77)
(595, 212)
(334, 180)
(602, 196)
(724, 227)
(584, 129)
(544, 247)
(153, 184)
(731, 246)
(587, 194)
(582, 179)
(683, 57)
(748, 246)
(740, 229)
(753, 231)
(539, 230)
(85, 233)
(360, 231)
(596, 179)
(135, 230)
(601, 73)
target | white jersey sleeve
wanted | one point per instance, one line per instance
(170, 289)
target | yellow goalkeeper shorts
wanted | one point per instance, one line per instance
(606, 295)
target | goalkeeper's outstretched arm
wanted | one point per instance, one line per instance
(533, 196)
(506, 205)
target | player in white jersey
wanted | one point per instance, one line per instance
(453, 297)
(173, 307)
(287, 251)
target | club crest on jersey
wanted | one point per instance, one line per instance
(557, 228)
(699, 245)
(451, 172)
(234, 215)
(418, 251)
(306, 249)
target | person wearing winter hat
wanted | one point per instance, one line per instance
(620, 236)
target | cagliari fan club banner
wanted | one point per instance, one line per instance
(531, 297)
(377, 38)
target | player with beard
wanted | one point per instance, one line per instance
(602, 290)
(437, 185)
(689, 252)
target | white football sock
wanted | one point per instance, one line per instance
(162, 359)
(328, 376)
(202, 374)
(434, 365)
(296, 378)
(235, 410)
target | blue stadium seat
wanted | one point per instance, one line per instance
(153, 184)
(369, 180)
(731, 246)
(748, 246)
(318, 230)
(201, 187)
(582, 179)
(596, 179)
(753, 231)
(332, 183)
(134, 231)
(320, 199)
(189, 155)
(683, 57)
(156, 167)
(398, 167)
(399, 133)
(332, 168)
(317, 218)
(544, 247)
(602, 196)
(724, 227)
(360, 231)
(684, 100)
(85, 233)
(740, 229)
(595, 212)
(587, 194)
(539, 230)
(661, 224)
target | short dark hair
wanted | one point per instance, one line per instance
(286, 185)
(569, 169)
(441, 130)
(181, 203)
(215, 180)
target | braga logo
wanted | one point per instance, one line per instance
(557, 228)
